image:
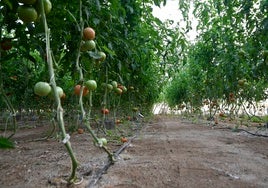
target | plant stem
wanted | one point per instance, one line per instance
(87, 124)
(81, 79)
(60, 119)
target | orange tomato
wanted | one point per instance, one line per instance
(80, 131)
(77, 90)
(105, 111)
(118, 121)
(88, 33)
(123, 139)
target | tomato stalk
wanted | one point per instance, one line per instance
(60, 119)
(86, 118)
(87, 124)
(116, 106)
(105, 98)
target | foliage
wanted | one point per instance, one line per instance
(121, 34)
(231, 46)
(6, 143)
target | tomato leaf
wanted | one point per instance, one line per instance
(5, 143)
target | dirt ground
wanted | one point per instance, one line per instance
(167, 152)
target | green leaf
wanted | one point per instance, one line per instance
(106, 49)
(6, 143)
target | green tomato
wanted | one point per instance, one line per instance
(109, 87)
(88, 45)
(91, 85)
(124, 89)
(27, 14)
(42, 89)
(47, 6)
(114, 84)
(59, 91)
(102, 56)
(104, 141)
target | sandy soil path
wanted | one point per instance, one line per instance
(173, 153)
(167, 152)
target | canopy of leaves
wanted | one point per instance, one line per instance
(231, 46)
(134, 48)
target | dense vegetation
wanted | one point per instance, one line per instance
(133, 50)
(79, 62)
(88, 60)
(227, 64)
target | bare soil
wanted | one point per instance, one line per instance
(167, 152)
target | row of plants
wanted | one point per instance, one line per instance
(226, 67)
(83, 60)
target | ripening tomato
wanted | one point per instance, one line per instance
(120, 86)
(118, 91)
(80, 131)
(88, 33)
(77, 90)
(118, 121)
(123, 139)
(105, 111)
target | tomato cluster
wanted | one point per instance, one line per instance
(44, 89)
